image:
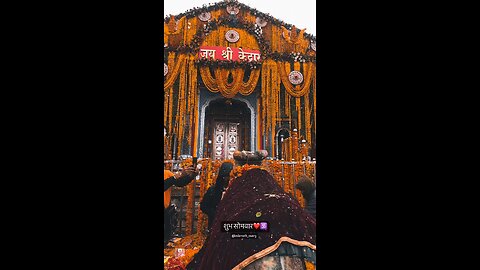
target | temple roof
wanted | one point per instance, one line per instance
(219, 5)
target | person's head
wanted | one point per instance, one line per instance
(249, 157)
(224, 173)
(305, 184)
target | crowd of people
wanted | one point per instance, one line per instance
(253, 195)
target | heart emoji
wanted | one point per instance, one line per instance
(256, 225)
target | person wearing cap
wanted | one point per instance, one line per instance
(307, 187)
(213, 196)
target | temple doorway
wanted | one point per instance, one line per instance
(227, 128)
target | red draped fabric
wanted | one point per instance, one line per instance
(254, 191)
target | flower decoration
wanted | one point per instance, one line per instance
(232, 36)
(216, 6)
(240, 170)
(174, 264)
(261, 22)
(187, 163)
(309, 265)
(233, 10)
(295, 77)
(297, 57)
(205, 16)
(253, 29)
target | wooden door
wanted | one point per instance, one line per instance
(225, 139)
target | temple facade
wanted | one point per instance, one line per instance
(237, 79)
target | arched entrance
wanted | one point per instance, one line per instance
(227, 128)
(282, 134)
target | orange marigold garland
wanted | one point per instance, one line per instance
(240, 170)
(309, 265)
(175, 64)
(174, 264)
(190, 199)
(189, 254)
(201, 215)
